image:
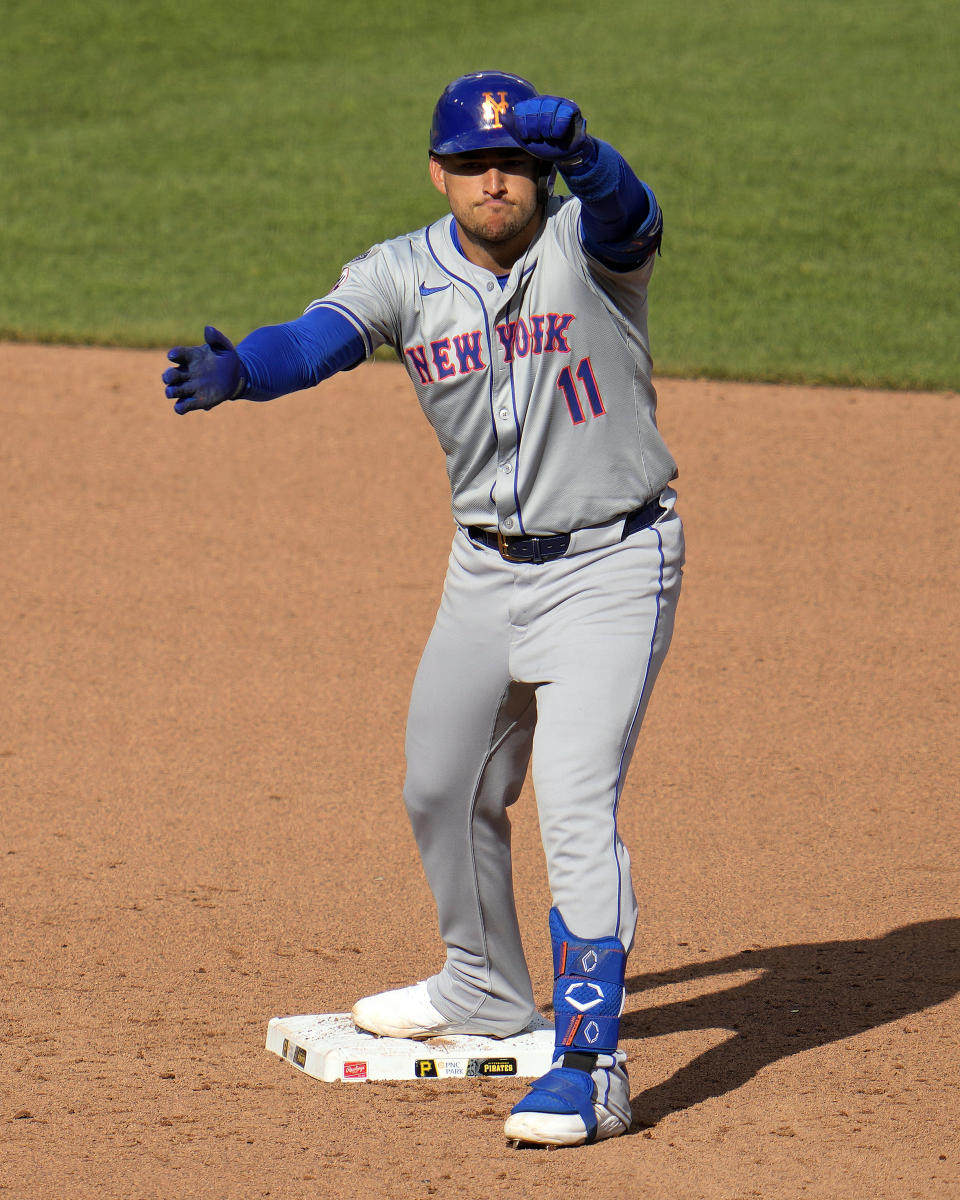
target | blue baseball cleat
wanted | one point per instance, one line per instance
(569, 1107)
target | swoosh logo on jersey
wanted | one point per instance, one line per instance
(425, 291)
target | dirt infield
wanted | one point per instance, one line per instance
(210, 626)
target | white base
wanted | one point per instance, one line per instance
(329, 1047)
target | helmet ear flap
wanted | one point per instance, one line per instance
(546, 178)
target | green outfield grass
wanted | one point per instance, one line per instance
(168, 164)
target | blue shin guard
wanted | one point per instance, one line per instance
(588, 997)
(588, 990)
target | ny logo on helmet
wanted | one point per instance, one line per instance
(493, 109)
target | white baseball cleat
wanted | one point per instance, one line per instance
(558, 1129)
(569, 1107)
(402, 1013)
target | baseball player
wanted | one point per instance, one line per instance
(521, 318)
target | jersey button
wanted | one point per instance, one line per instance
(503, 414)
(507, 468)
(489, 287)
(508, 523)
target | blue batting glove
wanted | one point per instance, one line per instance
(205, 375)
(550, 127)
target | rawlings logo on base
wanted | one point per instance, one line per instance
(355, 1070)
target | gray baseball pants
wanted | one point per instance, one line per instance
(552, 666)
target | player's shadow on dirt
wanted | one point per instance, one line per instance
(808, 995)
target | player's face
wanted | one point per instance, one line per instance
(493, 197)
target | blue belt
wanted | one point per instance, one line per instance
(555, 545)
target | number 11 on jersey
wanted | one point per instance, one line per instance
(566, 384)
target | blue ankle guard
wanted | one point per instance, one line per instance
(588, 990)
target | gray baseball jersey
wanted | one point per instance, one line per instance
(547, 417)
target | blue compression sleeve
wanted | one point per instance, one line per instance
(278, 359)
(620, 218)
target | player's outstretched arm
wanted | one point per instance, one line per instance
(621, 220)
(270, 362)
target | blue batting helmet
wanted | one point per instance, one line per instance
(467, 116)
